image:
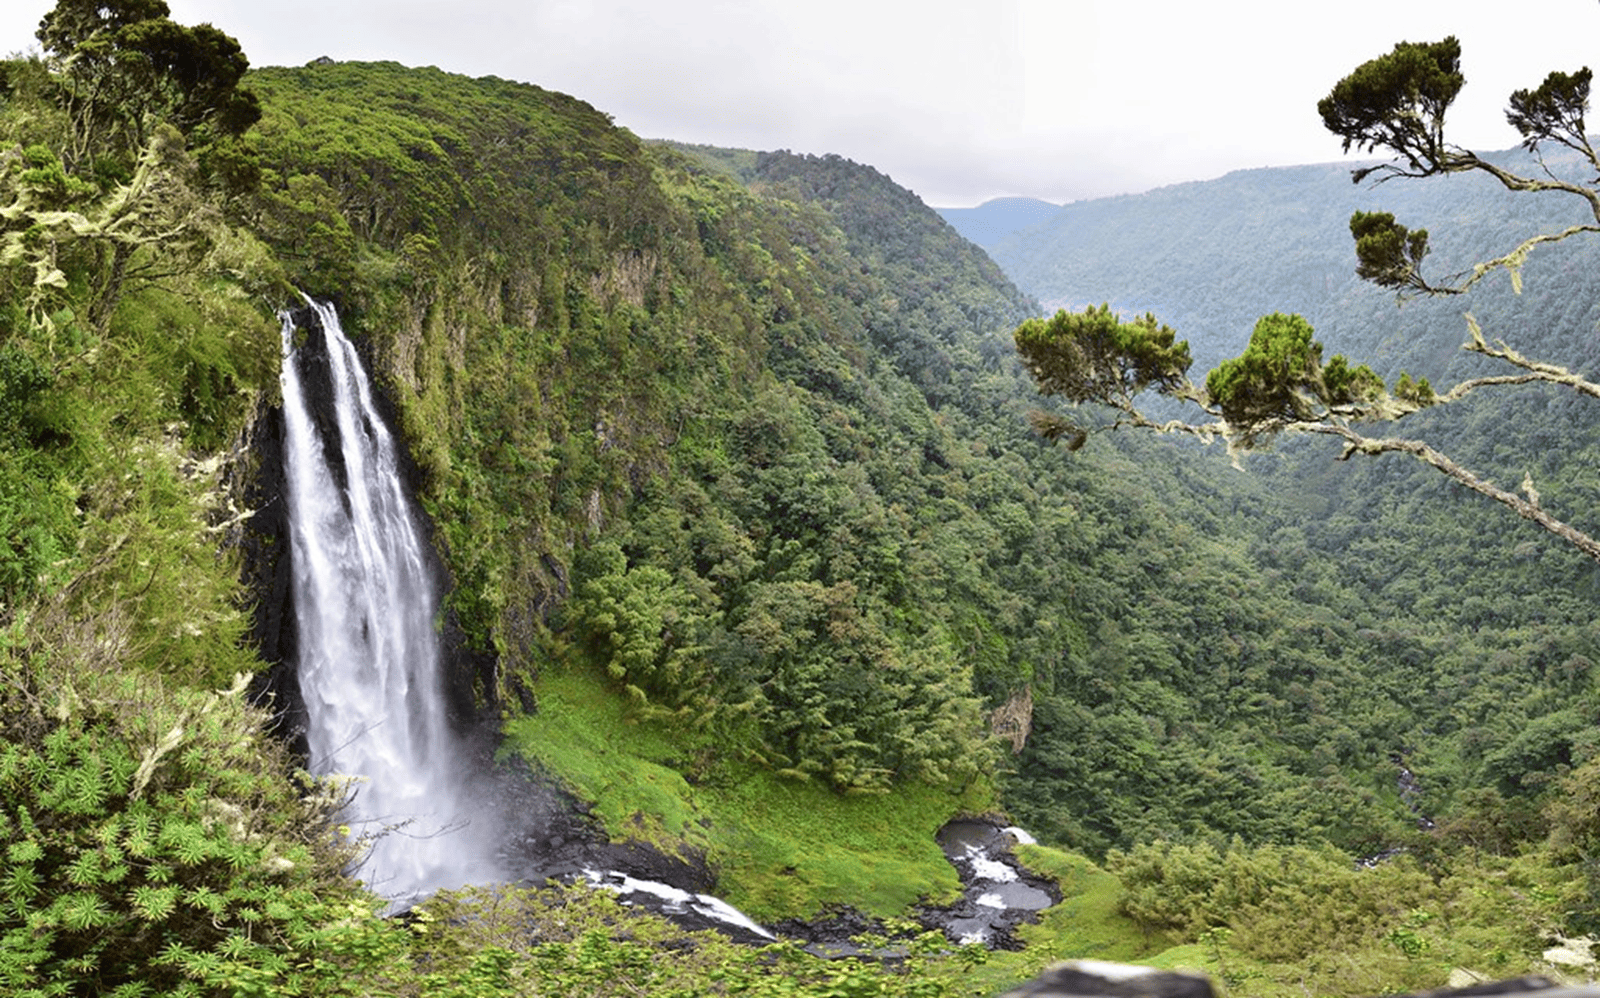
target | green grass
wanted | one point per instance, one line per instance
(1085, 925)
(787, 847)
(582, 735)
(781, 848)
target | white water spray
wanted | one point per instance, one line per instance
(369, 657)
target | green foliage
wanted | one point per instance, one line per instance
(1344, 385)
(1552, 111)
(155, 844)
(1187, 890)
(36, 526)
(1418, 392)
(126, 68)
(1385, 569)
(1277, 383)
(762, 591)
(1284, 920)
(639, 623)
(741, 445)
(1269, 382)
(1096, 356)
(47, 181)
(1387, 253)
(580, 942)
(1397, 102)
(301, 219)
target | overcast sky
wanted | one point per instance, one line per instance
(959, 100)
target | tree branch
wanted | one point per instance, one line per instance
(1527, 508)
(1511, 262)
(1537, 370)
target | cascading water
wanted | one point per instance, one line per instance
(369, 658)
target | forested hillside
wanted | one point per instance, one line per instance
(750, 545)
(1473, 610)
(846, 552)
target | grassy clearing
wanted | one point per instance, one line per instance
(781, 848)
(582, 735)
(788, 848)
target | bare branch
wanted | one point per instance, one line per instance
(1511, 262)
(1537, 370)
(1527, 508)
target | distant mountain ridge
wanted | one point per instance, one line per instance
(1210, 257)
(994, 220)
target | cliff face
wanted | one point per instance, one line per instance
(724, 385)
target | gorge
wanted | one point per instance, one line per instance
(732, 532)
(370, 675)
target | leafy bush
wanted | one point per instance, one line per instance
(1280, 903)
(154, 843)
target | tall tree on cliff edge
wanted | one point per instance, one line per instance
(1280, 384)
(132, 186)
(124, 67)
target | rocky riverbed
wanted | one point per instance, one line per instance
(558, 840)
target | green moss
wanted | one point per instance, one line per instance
(582, 735)
(780, 847)
(787, 848)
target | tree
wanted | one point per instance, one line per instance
(1395, 103)
(125, 68)
(133, 192)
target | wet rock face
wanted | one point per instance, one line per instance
(551, 836)
(268, 577)
(832, 933)
(1000, 893)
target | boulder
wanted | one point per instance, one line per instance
(1097, 979)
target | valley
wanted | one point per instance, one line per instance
(748, 556)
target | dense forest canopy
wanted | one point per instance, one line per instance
(730, 450)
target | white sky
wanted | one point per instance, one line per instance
(959, 100)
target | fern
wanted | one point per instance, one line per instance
(134, 870)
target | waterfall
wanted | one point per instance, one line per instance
(369, 662)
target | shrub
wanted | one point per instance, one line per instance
(155, 845)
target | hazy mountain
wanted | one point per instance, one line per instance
(1210, 257)
(992, 221)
